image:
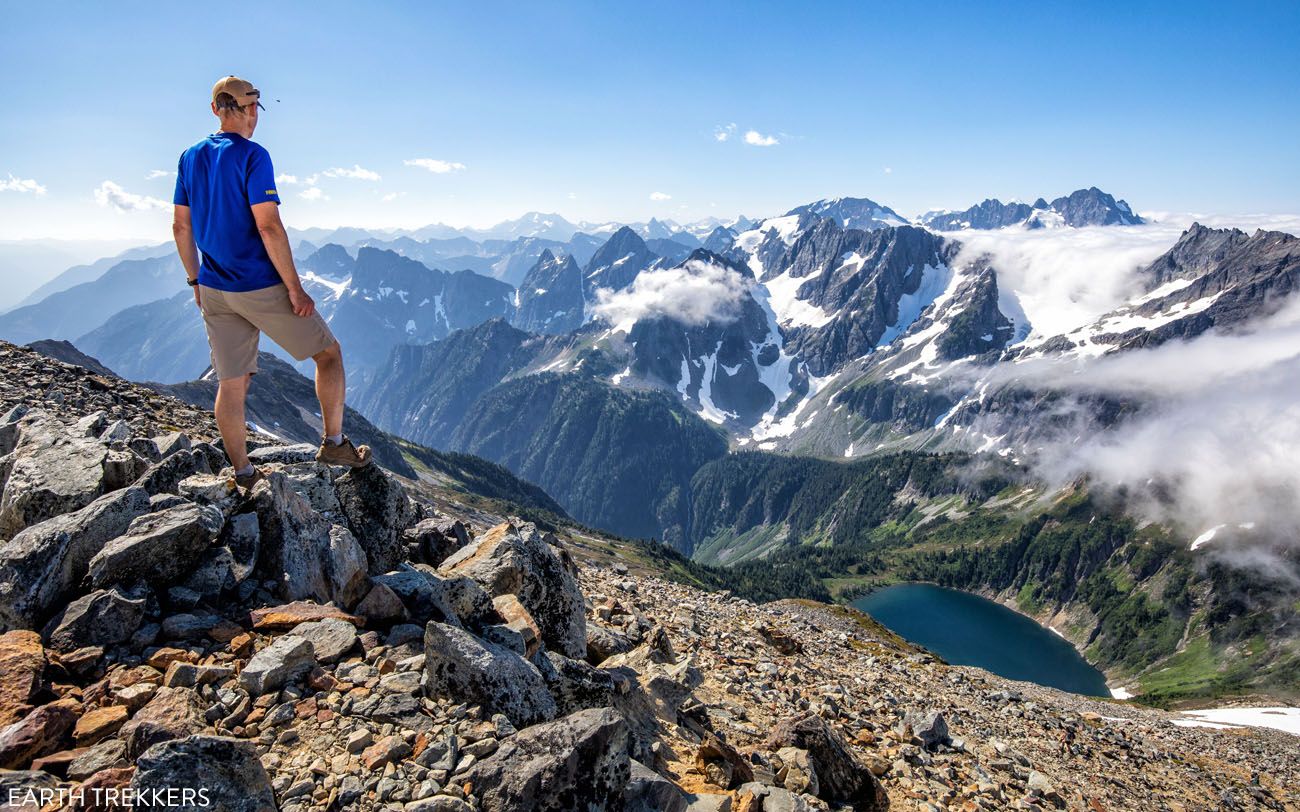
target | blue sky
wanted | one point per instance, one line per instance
(611, 111)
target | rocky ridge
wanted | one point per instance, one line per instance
(332, 640)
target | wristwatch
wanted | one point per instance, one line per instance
(192, 282)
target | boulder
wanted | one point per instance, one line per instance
(159, 548)
(104, 617)
(575, 684)
(520, 621)
(44, 730)
(302, 552)
(170, 443)
(330, 638)
(51, 471)
(930, 727)
(42, 567)
(381, 606)
(270, 669)
(315, 483)
(226, 773)
(377, 510)
(22, 790)
(22, 668)
(428, 596)
(291, 614)
(722, 764)
(577, 762)
(648, 791)
(460, 666)
(604, 642)
(172, 713)
(98, 724)
(436, 538)
(284, 454)
(522, 561)
(166, 475)
(840, 774)
(102, 756)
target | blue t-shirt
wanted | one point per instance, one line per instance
(219, 178)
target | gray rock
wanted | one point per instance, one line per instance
(108, 753)
(378, 510)
(841, 775)
(186, 626)
(466, 669)
(603, 643)
(286, 659)
(429, 596)
(105, 617)
(330, 638)
(227, 771)
(284, 454)
(166, 475)
(302, 552)
(930, 727)
(315, 483)
(575, 684)
(648, 791)
(51, 471)
(579, 762)
(524, 562)
(437, 538)
(159, 548)
(42, 567)
(169, 444)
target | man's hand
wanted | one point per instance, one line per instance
(302, 303)
(197, 303)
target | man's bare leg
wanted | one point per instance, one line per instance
(230, 419)
(331, 385)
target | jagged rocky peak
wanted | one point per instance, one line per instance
(1084, 207)
(616, 263)
(852, 212)
(551, 297)
(330, 260)
(720, 240)
(1198, 250)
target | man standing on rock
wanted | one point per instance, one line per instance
(246, 284)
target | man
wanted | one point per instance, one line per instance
(246, 284)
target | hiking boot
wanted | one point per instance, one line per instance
(353, 456)
(246, 482)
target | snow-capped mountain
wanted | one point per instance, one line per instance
(853, 212)
(1084, 207)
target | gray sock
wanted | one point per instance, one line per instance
(246, 470)
(334, 439)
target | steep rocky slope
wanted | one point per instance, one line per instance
(337, 640)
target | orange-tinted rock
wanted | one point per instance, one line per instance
(22, 664)
(289, 615)
(99, 724)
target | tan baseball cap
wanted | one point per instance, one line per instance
(241, 89)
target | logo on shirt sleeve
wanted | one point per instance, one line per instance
(270, 192)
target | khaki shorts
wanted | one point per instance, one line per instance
(235, 319)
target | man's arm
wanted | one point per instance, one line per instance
(183, 233)
(276, 240)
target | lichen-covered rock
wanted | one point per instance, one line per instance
(160, 548)
(104, 617)
(575, 684)
(522, 561)
(840, 774)
(330, 638)
(435, 539)
(302, 551)
(52, 470)
(454, 600)
(460, 666)
(42, 567)
(166, 475)
(227, 772)
(378, 510)
(286, 659)
(579, 762)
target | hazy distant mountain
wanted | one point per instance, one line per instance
(1085, 207)
(88, 272)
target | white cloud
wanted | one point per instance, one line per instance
(356, 173)
(660, 196)
(113, 196)
(724, 133)
(23, 185)
(154, 174)
(434, 165)
(889, 170)
(756, 139)
(314, 193)
(696, 293)
(286, 180)
(391, 196)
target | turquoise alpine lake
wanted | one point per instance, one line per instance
(965, 629)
